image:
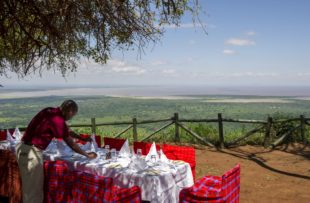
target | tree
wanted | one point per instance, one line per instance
(55, 34)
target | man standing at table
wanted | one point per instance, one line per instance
(49, 123)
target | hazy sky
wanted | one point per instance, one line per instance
(249, 42)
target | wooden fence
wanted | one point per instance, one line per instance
(264, 126)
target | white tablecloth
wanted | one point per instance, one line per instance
(160, 183)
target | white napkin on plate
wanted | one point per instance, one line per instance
(9, 138)
(137, 164)
(17, 134)
(163, 158)
(52, 147)
(63, 149)
(152, 152)
(125, 150)
(93, 145)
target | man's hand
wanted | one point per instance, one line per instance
(91, 155)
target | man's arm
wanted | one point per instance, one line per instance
(77, 149)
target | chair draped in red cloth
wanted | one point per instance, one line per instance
(57, 182)
(10, 179)
(97, 189)
(183, 153)
(214, 188)
(2, 135)
(97, 138)
(144, 146)
(115, 143)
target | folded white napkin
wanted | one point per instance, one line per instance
(93, 145)
(52, 147)
(9, 138)
(152, 152)
(163, 158)
(125, 150)
(85, 147)
(63, 149)
(17, 134)
(137, 164)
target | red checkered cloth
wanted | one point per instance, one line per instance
(126, 195)
(183, 153)
(214, 189)
(91, 188)
(57, 182)
(144, 146)
(115, 143)
(10, 179)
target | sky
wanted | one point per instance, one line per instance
(248, 43)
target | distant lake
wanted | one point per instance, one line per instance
(153, 91)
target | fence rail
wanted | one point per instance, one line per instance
(264, 126)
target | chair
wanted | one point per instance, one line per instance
(97, 138)
(144, 146)
(115, 143)
(57, 182)
(214, 188)
(82, 136)
(2, 135)
(183, 153)
(10, 179)
(93, 188)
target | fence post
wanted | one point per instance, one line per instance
(134, 129)
(93, 126)
(177, 129)
(302, 128)
(267, 132)
(221, 131)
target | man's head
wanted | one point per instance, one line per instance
(69, 108)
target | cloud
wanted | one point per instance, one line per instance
(158, 63)
(89, 67)
(228, 52)
(234, 75)
(306, 74)
(168, 71)
(240, 42)
(186, 25)
(192, 42)
(250, 33)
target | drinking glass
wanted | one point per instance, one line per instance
(107, 151)
(139, 153)
(153, 158)
(113, 154)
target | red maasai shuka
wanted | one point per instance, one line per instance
(57, 182)
(91, 188)
(144, 146)
(214, 189)
(115, 143)
(183, 153)
(97, 189)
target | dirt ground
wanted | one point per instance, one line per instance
(280, 175)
